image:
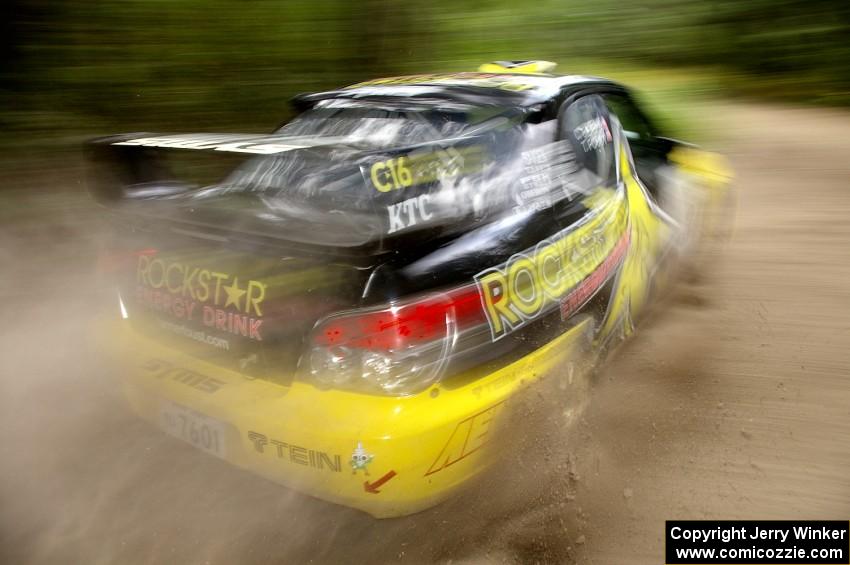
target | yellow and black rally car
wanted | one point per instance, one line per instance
(350, 308)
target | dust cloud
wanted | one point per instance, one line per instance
(732, 401)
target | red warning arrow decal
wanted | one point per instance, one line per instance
(373, 487)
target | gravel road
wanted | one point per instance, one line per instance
(732, 401)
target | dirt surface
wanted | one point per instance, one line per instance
(735, 404)
(732, 401)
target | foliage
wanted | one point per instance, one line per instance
(75, 69)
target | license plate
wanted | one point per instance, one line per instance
(205, 433)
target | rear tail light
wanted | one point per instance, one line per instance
(397, 349)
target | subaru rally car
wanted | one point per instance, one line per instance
(349, 310)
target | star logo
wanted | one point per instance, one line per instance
(234, 294)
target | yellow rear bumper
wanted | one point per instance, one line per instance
(415, 451)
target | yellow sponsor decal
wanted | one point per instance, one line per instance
(189, 293)
(533, 282)
(469, 436)
(424, 168)
(203, 285)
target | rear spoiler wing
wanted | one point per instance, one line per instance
(135, 166)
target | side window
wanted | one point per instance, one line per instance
(586, 125)
(635, 125)
(648, 152)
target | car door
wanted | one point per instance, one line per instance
(603, 142)
(598, 238)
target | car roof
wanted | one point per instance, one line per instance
(474, 88)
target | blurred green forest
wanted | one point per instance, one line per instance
(75, 69)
